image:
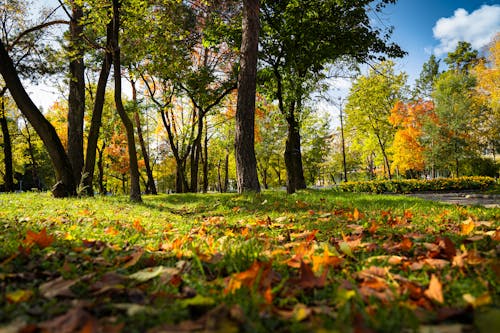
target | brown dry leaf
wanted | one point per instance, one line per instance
(75, 320)
(57, 287)
(392, 260)
(435, 290)
(133, 258)
(467, 226)
(448, 247)
(301, 204)
(307, 278)
(436, 263)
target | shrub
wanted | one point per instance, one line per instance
(415, 185)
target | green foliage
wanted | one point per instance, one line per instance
(416, 185)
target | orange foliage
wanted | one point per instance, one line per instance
(408, 118)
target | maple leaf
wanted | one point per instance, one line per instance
(326, 260)
(435, 290)
(42, 239)
(249, 277)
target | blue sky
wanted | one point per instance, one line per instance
(425, 27)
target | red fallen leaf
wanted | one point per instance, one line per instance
(42, 239)
(435, 290)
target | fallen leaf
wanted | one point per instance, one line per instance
(307, 279)
(467, 227)
(75, 320)
(133, 258)
(435, 290)
(57, 287)
(477, 301)
(152, 272)
(111, 231)
(42, 239)
(18, 296)
(138, 226)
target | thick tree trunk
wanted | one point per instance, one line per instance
(246, 163)
(8, 177)
(293, 155)
(96, 121)
(135, 187)
(76, 98)
(66, 185)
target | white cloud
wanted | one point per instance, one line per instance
(477, 28)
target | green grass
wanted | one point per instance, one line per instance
(202, 249)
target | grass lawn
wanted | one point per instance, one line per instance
(315, 261)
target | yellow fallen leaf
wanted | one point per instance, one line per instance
(435, 290)
(301, 312)
(477, 301)
(19, 296)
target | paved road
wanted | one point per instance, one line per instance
(462, 198)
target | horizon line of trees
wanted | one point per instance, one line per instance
(199, 84)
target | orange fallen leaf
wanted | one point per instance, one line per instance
(467, 226)
(435, 290)
(111, 231)
(138, 226)
(42, 239)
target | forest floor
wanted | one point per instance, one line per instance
(315, 261)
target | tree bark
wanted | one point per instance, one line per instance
(246, 163)
(8, 177)
(65, 185)
(96, 121)
(150, 184)
(205, 159)
(135, 187)
(293, 154)
(76, 98)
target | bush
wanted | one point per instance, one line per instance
(415, 185)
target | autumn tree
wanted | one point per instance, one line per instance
(371, 99)
(407, 149)
(424, 85)
(300, 38)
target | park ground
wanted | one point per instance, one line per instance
(315, 261)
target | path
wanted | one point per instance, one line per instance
(462, 198)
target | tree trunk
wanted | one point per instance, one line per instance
(95, 122)
(76, 98)
(205, 160)
(65, 185)
(100, 168)
(8, 177)
(135, 187)
(150, 184)
(195, 154)
(293, 155)
(246, 163)
(226, 172)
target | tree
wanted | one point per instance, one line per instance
(135, 188)
(246, 163)
(371, 99)
(424, 85)
(407, 148)
(299, 39)
(462, 58)
(487, 73)
(449, 136)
